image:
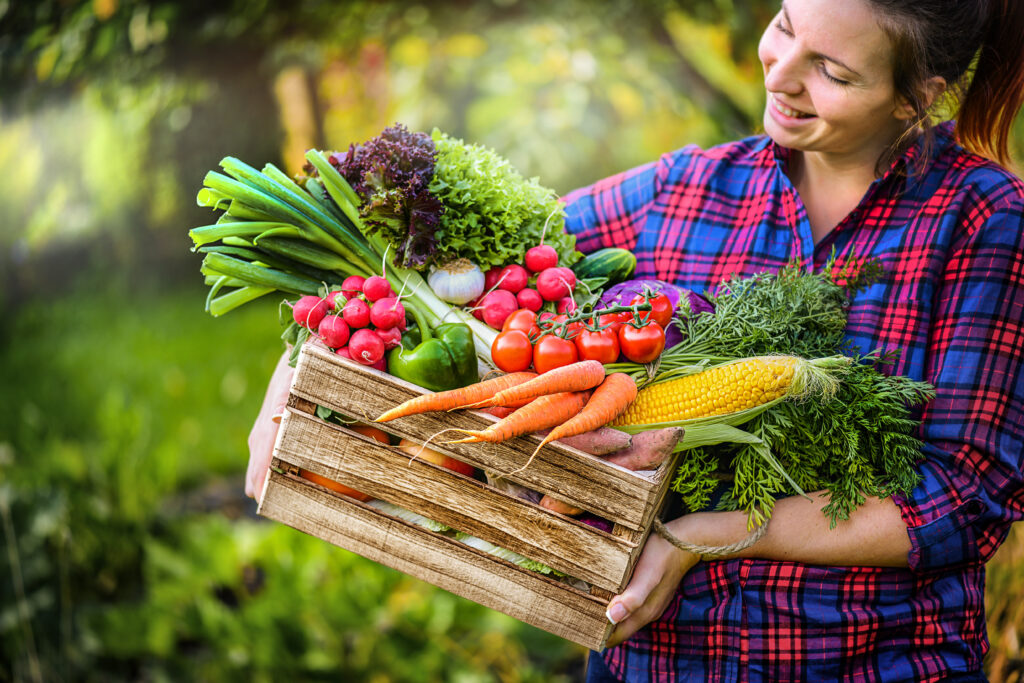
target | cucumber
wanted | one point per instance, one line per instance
(613, 263)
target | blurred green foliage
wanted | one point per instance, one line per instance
(124, 409)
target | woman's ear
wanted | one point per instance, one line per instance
(930, 91)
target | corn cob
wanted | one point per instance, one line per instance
(720, 390)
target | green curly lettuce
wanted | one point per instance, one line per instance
(492, 213)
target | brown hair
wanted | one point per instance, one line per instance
(977, 47)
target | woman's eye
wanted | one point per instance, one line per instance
(782, 28)
(830, 77)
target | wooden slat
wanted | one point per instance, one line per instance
(462, 503)
(570, 475)
(444, 562)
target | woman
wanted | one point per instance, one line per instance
(848, 164)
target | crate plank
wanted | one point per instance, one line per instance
(570, 475)
(462, 503)
(441, 561)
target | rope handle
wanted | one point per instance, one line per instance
(711, 551)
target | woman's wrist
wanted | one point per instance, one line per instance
(713, 530)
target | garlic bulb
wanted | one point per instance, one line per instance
(457, 282)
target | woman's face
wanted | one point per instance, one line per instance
(829, 76)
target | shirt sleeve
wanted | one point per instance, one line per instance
(612, 212)
(972, 486)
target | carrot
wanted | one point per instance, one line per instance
(609, 401)
(541, 413)
(456, 398)
(578, 376)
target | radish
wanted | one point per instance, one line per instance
(391, 336)
(352, 286)
(553, 284)
(474, 308)
(497, 306)
(356, 313)
(343, 352)
(569, 275)
(566, 305)
(387, 312)
(334, 331)
(529, 298)
(309, 310)
(380, 365)
(366, 347)
(336, 300)
(541, 258)
(513, 278)
(376, 287)
(491, 278)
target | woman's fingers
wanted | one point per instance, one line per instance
(655, 579)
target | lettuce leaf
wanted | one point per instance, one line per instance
(492, 213)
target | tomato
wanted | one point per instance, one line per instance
(552, 352)
(523, 319)
(600, 345)
(512, 351)
(572, 329)
(613, 321)
(661, 309)
(641, 344)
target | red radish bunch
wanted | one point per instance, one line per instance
(360, 321)
(538, 281)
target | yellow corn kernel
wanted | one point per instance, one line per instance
(720, 390)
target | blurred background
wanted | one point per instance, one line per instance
(128, 550)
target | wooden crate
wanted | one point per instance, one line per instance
(602, 560)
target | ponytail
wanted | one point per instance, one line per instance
(996, 91)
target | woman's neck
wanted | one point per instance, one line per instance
(830, 190)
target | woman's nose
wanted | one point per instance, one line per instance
(782, 75)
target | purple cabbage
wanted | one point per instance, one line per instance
(692, 303)
(391, 174)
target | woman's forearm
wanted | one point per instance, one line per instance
(875, 534)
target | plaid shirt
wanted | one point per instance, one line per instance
(951, 239)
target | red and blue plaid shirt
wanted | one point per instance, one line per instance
(951, 239)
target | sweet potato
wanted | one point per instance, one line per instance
(649, 449)
(601, 441)
(562, 508)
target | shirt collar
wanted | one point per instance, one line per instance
(906, 168)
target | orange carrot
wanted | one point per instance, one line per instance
(541, 413)
(610, 399)
(456, 398)
(579, 376)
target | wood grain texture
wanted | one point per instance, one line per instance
(530, 597)
(615, 493)
(458, 501)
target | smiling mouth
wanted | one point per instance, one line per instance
(792, 113)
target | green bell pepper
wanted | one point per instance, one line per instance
(442, 360)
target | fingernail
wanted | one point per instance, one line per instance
(616, 613)
(276, 419)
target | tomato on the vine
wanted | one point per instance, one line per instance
(512, 351)
(641, 344)
(571, 329)
(552, 352)
(525, 320)
(614, 321)
(599, 345)
(661, 308)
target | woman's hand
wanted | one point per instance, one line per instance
(264, 431)
(657, 575)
